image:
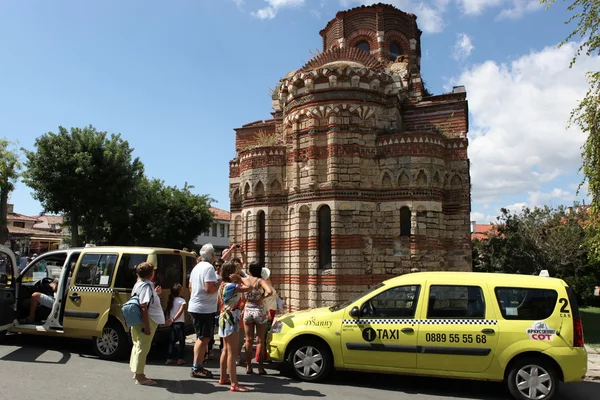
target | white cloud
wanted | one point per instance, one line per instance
(273, 7)
(520, 8)
(510, 8)
(463, 47)
(239, 3)
(553, 198)
(519, 113)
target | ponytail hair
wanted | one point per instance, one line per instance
(175, 292)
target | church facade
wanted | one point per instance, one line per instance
(360, 175)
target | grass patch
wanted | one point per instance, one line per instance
(590, 317)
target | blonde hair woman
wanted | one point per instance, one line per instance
(152, 316)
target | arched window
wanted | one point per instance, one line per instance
(395, 51)
(405, 222)
(260, 219)
(364, 46)
(324, 237)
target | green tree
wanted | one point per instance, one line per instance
(586, 15)
(164, 216)
(85, 174)
(10, 168)
(537, 239)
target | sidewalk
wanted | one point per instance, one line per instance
(593, 372)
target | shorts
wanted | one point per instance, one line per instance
(227, 329)
(255, 315)
(46, 301)
(204, 325)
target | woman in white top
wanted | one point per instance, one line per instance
(152, 316)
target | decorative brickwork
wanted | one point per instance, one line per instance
(359, 177)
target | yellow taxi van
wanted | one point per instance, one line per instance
(93, 283)
(523, 330)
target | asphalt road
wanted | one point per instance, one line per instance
(51, 368)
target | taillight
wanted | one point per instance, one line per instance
(577, 332)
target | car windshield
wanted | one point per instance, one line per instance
(353, 299)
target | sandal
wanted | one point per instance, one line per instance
(180, 362)
(238, 388)
(147, 382)
(225, 381)
(201, 373)
(263, 372)
(170, 362)
(249, 371)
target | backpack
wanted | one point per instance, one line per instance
(132, 311)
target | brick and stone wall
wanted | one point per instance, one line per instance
(351, 131)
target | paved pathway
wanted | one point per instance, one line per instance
(54, 369)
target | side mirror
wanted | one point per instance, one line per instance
(3, 279)
(355, 312)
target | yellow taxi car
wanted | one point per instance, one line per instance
(88, 286)
(523, 330)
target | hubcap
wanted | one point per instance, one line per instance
(534, 382)
(109, 341)
(308, 361)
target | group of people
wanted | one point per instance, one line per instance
(226, 291)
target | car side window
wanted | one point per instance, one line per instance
(96, 269)
(397, 302)
(529, 304)
(456, 301)
(169, 270)
(126, 273)
(190, 263)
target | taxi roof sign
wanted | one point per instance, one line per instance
(545, 273)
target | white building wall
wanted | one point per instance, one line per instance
(218, 235)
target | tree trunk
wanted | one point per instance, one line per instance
(3, 215)
(74, 230)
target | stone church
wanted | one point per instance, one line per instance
(360, 175)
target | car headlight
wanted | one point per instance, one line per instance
(277, 327)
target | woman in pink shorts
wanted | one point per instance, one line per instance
(255, 315)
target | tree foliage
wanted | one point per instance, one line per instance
(93, 179)
(586, 15)
(10, 167)
(162, 216)
(85, 174)
(540, 239)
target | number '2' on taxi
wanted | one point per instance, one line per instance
(525, 331)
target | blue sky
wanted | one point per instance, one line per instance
(175, 78)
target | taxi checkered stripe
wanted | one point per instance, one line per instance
(91, 289)
(420, 322)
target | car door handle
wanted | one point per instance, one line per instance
(408, 330)
(488, 331)
(75, 297)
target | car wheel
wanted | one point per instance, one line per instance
(310, 361)
(113, 342)
(533, 379)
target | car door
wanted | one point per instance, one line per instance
(8, 264)
(384, 333)
(459, 330)
(90, 294)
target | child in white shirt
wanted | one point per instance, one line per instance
(175, 314)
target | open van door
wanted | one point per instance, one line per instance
(90, 294)
(8, 267)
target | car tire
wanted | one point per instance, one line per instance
(529, 378)
(113, 344)
(319, 362)
(2, 336)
